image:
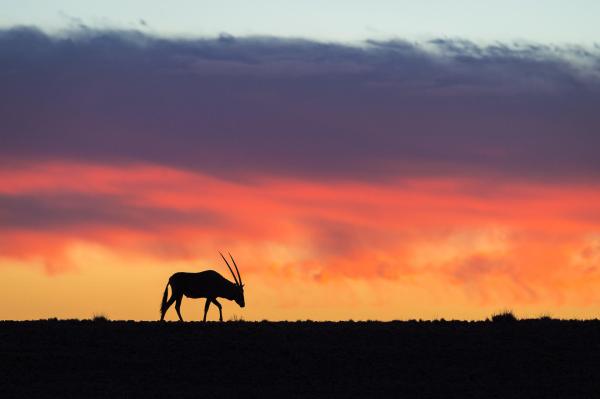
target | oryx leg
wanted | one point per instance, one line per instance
(219, 306)
(168, 305)
(178, 305)
(206, 305)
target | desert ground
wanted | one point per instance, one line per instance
(483, 359)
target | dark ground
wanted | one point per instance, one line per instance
(529, 359)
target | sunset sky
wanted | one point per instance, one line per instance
(360, 160)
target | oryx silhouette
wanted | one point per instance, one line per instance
(207, 284)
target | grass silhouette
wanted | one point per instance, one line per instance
(236, 319)
(100, 317)
(505, 316)
(545, 317)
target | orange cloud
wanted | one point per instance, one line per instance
(462, 246)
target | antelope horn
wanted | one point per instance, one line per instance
(236, 269)
(227, 263)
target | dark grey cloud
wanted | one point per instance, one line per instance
(68, 211)
(237, 106)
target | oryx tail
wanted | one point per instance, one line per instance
(163, 304)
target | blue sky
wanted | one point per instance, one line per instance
(549, 21)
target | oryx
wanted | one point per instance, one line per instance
(207, 284)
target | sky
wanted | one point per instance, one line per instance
(445, 166)
(340, 20)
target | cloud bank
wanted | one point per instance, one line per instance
(252, 106)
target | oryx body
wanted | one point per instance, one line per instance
(207, 284)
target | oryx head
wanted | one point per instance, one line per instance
(239, 294)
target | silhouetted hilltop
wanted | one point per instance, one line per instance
(526, 358)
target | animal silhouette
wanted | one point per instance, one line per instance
(207, 284)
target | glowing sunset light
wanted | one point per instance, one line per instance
(309, 249)
(299, 198)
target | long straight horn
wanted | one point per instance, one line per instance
(236, 269)
(227, 263)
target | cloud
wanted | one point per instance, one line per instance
(472, 243)
(72, 211)
(441, 165)
(240, 107)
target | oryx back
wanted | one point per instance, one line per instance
(206, 284)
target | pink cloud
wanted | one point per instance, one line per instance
(515, 245)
